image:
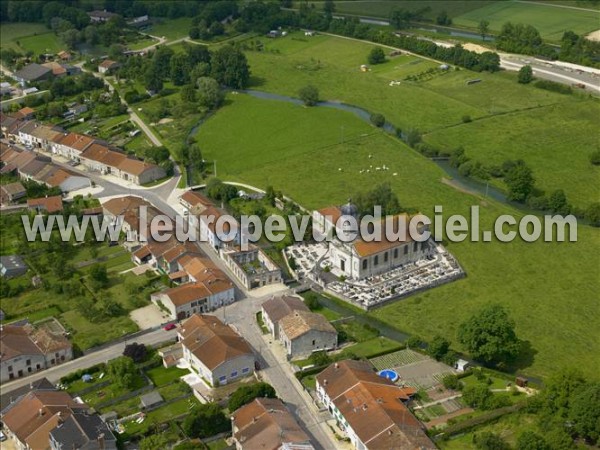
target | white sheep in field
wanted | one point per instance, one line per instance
(395, 173)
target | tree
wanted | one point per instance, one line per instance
(154, 441)
(443, 19)
(229, 66)
(592, 214)
(319, 359)
(483, 27)
(378, 120)
(489, 441)
(529, 440)
(99, 276)
(376, 56)
(312, 301)
(245, 394)
(520, 182)
(153, 80)
(122, 370)
(209, 93)
(137, 352)
(438, 347)
(585, 412)
(205, 420)
(489, 335)
(180, 68)
(328, 7)
(309, 95)
(451, 381)
(477, 396)
(557, 202)
(525, 74)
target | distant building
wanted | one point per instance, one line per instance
(64, 55)
(12, 266)
(266, 423)
(46, 204)
(370, 409)
(213, 350)
(82, 430)
(150, 400)
(11, 192)
(252, 267)
(32, 72)
(101, 16)
(27, 349)
(107, 65)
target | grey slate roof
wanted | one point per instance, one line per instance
(81, 430)
(32, 72)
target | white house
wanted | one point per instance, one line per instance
(214, 351)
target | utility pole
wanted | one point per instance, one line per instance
(215, 167)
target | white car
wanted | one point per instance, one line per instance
(2, 436)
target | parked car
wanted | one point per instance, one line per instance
(169, 327)
(2, 436)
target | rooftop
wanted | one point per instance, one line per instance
(279, 307)
(298, 323)
(211, 341)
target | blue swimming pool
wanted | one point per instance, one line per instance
(389, 374)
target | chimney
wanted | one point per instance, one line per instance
(101, 443)
(40, 412)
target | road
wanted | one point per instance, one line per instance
(556, 71)
(276, 369)
(55, 373)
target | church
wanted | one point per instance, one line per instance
(360, 259)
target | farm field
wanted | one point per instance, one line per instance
(266, 152)
(551, 21)
(438, 105)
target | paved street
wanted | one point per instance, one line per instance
(54, 374)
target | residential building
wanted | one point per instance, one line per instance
(276, 308)
(70, 145)
(26, 349)
(12, 266)
(29, 420)
(370, 409)
(194, 202)
(82, 431)
(48, 205)
(214, 350)
(266, 424)
(11, 192)
(107, 66)
(303, 333)
(64, 55)
(101, 16)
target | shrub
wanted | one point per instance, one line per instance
(309, 95)
(451, 382)
(595, 158)
(245, 394)
(466, 118)
(378, 120)
(376, 56)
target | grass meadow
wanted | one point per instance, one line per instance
(35, 37)
(171, 29)
(550, 20)
(299, 150)
(436, 107)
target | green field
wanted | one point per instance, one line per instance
(551, 21)
(378, 8)
(298, 150)
(438, 105)
(13, 32)
(171, 29)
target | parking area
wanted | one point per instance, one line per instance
(149, 316)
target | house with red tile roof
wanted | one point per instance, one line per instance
(370, 409)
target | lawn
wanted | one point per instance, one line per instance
(171, 29)
(551, 21)
(162, 376)
(298, 150)
(42, 43)
(509, 427)
(13, 32)
(370, 347)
